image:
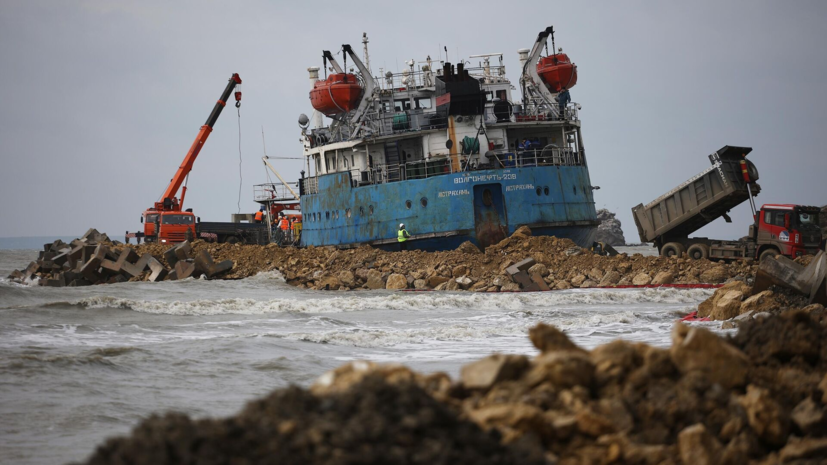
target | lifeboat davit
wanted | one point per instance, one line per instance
(557, 71)
(339, 93)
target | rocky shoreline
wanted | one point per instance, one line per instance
(756, 397)
(559, 263)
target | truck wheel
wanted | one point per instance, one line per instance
(698, 251)
(672, 249)
(232, 240)
(767, 253)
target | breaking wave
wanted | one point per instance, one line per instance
(402, 301)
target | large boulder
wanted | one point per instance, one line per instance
(397, 281)
(715, 275)
(375, 280)
(468, 247)
(641, 279)
(664, 277)
(484, 373)
(728, 306)
(698, 350)
(609, 231)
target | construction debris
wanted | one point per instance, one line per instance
(780, 284)
(95, 259)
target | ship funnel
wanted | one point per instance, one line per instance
(314, 77)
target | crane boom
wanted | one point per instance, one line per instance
(169, 201)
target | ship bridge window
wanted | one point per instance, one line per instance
(423, 103)
(401, 105)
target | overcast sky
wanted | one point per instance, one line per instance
(102, 99)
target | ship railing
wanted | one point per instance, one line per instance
(419, 79)
(526, 158)
(274, 192)
(534, 111)
(388, 123)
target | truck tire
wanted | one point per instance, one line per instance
(766, 253)
(698, 251)
(672, 249)
(232, 240)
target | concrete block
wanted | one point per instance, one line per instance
(777, 270)
(185, 269)
(172, 275)
(77, 252)
(171, 257)
(110, 266)
(101, 251)
(219, 268)
(144, 261)
(56, 281)
(158, 270)
(91, 235)
(520, 266)
(45, 266)
(78, 283)
(57, 245)
(30, 270)
(203, 262)
(61, 258)
(88, 252)
(16, 275)
(48, 255)
(538, 281)
(89, 270)
(127, 255)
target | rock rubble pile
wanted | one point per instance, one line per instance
(559, 263)
(758, 397)
(95, 259)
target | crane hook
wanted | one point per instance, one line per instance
(238, 99)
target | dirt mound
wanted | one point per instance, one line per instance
(374, 422)
(564, 266)
(757, 397)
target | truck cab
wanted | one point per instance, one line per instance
(169, 227)
(786, 229)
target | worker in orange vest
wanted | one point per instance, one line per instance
(259, 216)
(284, 226)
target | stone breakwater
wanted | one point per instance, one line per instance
(559, 262)
(756, 397)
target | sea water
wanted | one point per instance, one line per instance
(78, 365)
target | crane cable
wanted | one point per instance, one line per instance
(240, 178)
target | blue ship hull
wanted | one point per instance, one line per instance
(443, 211)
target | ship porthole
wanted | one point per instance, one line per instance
(347, 212)
(539, 191)
(424, 202)
(370, 209)
(327, 214)
(336, 214)
(486, 198)
(408, 204)
(545, 191)
(574, 188)
(361, 211)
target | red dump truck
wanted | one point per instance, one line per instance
(786, 229)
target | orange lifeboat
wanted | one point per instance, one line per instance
(557, 71)
(339, 93)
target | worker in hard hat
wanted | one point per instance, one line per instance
(297, 229)
(402, 236)
(259, 215)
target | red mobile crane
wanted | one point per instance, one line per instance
(165, 222)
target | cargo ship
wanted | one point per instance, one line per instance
(445, 149)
